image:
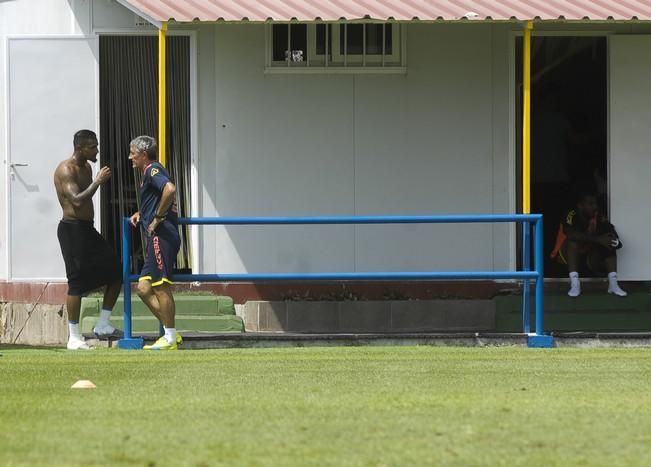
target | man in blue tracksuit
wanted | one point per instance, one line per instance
(158, 218)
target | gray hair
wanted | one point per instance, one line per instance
(146, 144)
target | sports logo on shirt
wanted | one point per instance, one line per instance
(570, 217)
(154, 172)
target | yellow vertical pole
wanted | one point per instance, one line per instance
(526, 120)
(162, 94)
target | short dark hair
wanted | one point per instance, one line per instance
(82, 137)
(146, 144)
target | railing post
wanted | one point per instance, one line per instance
(128, 341)
(126, 271)
(539, 339)
(526, 266)
(540, 279)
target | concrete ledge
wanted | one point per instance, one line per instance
(272, 340)
(602, 339)
(30, 324)
(460, 339)
(369, 316)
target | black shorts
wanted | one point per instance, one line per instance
(162, 248)
(90, 260)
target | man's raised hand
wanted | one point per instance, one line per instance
(103, 175)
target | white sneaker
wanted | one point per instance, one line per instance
(105, 331)
(615, 289)
(575, 290)
(75, 343)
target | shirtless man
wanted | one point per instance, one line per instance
(90, 260)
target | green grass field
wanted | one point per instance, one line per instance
(366, 406)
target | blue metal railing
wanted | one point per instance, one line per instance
(538, 339)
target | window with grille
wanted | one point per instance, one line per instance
(343, 47)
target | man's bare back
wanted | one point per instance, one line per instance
(74, 184)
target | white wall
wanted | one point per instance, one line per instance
(630, 118)
(275, 158)
(110, 16)
(423, 146)
(422, 143)
(41, 17)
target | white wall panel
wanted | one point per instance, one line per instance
(423, 146)
(29, 18)
(206, 151)
(52, 86)
(284, 147)
(630, 151)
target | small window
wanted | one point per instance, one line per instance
(368, 44)
(323, 38)
(376, 47)
(289, 43)
(365, 38)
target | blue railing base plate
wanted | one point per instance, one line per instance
(540, 341)
(131, 343)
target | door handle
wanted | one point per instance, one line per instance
(12, 172)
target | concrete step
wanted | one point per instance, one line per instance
(185, 304)
(184, 323)
(588, 312)
(208, 313)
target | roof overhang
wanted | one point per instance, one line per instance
(185, 11)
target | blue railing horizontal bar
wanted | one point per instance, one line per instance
(326, 276)
(447, 219)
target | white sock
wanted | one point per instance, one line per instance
(613, 286)
(170, 334)
(575, 285)
(73, 329)
(104, 318)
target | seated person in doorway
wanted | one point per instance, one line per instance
(587, 241)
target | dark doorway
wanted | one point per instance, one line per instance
(568, 129)
(129, 108)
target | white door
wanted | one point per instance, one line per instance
(52, 83)
(630, 152)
